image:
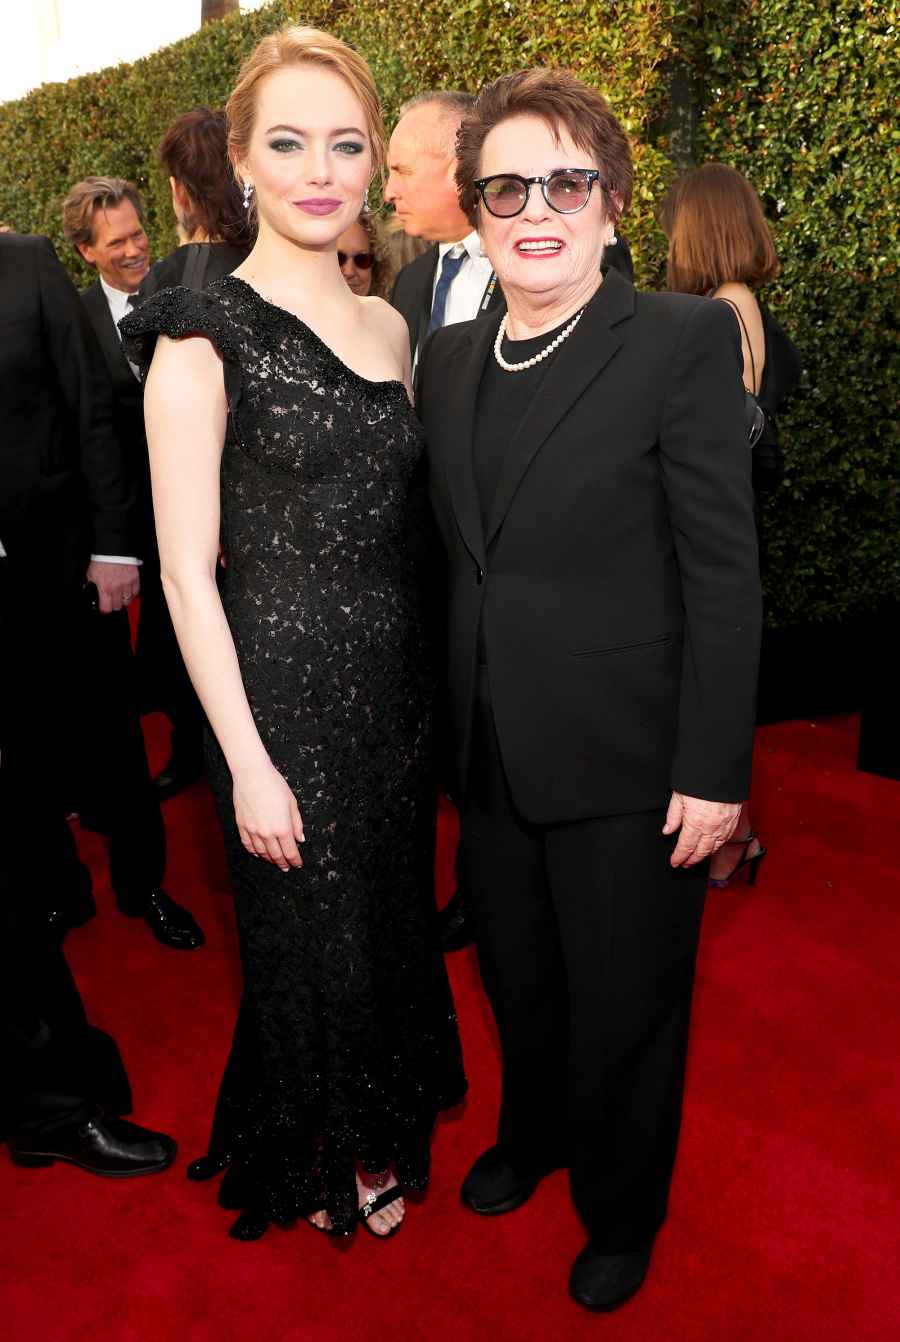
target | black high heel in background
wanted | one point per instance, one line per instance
(745, 860)
(207, 1167)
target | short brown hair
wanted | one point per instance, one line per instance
(194, 150)
(90, 195)
(558, 98)
(717, 232)
(302, 46)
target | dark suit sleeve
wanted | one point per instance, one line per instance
(84, 386)
(705, 463)
(403, 299)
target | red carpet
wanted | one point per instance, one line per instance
(784, 1223)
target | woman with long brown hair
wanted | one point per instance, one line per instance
(720, 246)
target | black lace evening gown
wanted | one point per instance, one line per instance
(346, 1044)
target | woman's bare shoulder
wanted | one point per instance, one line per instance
(380, 313)
(741, 295)
(389, 324)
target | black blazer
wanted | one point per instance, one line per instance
(128, 415)
(618, 579)
(414, 287)
(64, 488)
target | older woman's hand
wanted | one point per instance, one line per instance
(705, 826)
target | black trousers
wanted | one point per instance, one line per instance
(112, 784)
(163, 681)
(56, 1067)
(587, 941)
(71, 736)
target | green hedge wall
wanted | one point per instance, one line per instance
(796, 93)
(802, 97)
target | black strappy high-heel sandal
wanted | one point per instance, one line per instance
(207, 1167)
(745, 860)
(376, 1202)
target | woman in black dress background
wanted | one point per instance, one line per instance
(720, 246)
(215, 232)
(285, 392)
(215, 236)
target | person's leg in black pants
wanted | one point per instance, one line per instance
(114, 776)
(629, 925)
(65, 1086)
(113, 782)
(587, 940)
(502, 862)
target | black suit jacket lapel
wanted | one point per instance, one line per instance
(580, 360)
(423, 316)
(105, 329)
(463, 379)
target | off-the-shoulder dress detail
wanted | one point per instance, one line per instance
(346, 1044)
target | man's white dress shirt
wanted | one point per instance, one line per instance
(468, 288)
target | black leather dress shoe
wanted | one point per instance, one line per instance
(169, 922)
(455, 924)
(179, 773)
(602, 1281)
(207, 1167)
(110, 1146)
(492, 1186)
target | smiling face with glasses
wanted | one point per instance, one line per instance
(542, 217)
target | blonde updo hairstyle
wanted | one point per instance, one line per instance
(302, 46)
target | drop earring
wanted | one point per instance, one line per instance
(248, 192)
(366, 207)
(612, 240)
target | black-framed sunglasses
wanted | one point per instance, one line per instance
(362, 260)
(566, 190)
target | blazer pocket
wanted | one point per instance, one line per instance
(622, 647)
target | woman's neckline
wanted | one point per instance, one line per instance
(292, 316)
(538, 340)
(585, 302)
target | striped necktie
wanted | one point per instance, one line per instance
(449, 270)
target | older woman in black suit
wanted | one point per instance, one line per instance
(591, 480)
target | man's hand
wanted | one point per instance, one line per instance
(116, 584)
(705, 826)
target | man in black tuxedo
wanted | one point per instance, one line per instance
(67, 530)
(454, 280)
(64, 494)
(103, 220)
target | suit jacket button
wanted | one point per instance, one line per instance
(479, 575)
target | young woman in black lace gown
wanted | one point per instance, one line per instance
(280, 391)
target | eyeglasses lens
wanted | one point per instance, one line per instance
(362, 260)
(504, 196)
(567, 191)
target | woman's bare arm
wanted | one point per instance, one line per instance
(185, 412)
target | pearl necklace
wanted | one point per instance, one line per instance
(529, 363)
